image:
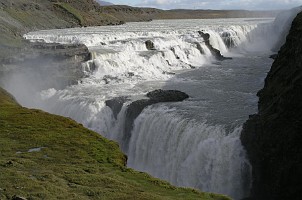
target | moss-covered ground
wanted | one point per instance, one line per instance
(44, 156)
(68, 8)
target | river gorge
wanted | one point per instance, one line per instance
(191, 143)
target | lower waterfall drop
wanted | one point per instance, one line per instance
(189, 154)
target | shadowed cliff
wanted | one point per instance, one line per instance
(273, 137)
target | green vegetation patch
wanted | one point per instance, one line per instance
(45, 156)
(75, 12)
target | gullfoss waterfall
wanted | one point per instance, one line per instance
(192, 143)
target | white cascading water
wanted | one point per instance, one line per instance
(187, 152)
(194, 143)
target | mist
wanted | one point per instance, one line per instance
(42, 69)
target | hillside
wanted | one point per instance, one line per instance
(104, 3)
(44, 156)
(272, 137)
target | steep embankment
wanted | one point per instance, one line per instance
(44, 156)
(273, 136)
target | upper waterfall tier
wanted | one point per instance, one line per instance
(121, 53)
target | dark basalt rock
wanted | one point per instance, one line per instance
(116, 104)
(199, 47)
(108, 78)
(48, 65)
(150, 45)
(136, 107)
(176, 56)
(215, 52)
(274, 56)
(284, 20)
(62, 51)
(273, 136)
(167, 95)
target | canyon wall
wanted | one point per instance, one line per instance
(273, 136)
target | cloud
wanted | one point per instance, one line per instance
(222, 4)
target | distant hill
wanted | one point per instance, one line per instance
(18, 17)
(104, 3)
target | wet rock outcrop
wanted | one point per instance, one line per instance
(149, 45)
(282, 25)
(116, 104)
(54, 65)
(215, 52)
(156, 96)
(273, 136)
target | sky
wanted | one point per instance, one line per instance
(213, 4)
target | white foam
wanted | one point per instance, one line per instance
(189, 153)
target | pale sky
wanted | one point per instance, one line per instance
(213, 4)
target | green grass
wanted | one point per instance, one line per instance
(73, 11)
(74, 162)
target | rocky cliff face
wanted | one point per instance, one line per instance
(54, 65)
(273, 137)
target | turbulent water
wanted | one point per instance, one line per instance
(192, 143)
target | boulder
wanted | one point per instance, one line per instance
(150, 45)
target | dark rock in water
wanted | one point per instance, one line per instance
(274, 56)
(176, 56)
(136, 107)
(205, 36)
(109, 78)
(273, 136)
(169, 73)
(215, 52)
(150, 45)
(199, 47)
(130, 74)
(167, 95)
(116, 104)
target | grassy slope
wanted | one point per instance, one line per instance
(74, 163)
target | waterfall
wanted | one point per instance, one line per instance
(189, 153)
(200, 153)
